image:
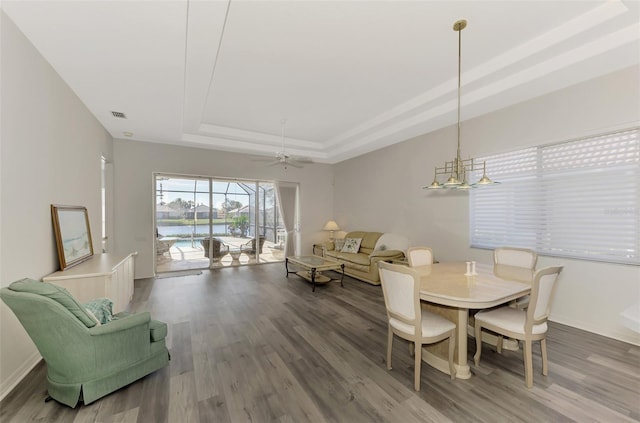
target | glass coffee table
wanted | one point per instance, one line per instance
(312, 266)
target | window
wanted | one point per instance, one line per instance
(578, 199)
(242, 216)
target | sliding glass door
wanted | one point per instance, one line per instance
(204, 222)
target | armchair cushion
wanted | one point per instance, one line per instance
(56, 293)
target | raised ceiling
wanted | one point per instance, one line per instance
(349, 76)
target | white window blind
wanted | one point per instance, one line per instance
(577, 199)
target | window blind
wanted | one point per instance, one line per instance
(578, 199)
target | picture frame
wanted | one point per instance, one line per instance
(73, 234)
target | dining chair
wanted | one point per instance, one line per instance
(515, 264)
(419, 256)
(406, 319)
(525, 325)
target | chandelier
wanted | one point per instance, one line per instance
(458, 169)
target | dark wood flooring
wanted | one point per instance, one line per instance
(249, 345)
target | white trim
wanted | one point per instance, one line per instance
(20, 373)
(601, 330)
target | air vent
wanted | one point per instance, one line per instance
(119, 115)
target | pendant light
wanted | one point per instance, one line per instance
(458, 169)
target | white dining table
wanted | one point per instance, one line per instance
(447, 284)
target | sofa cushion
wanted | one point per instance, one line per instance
(56, 293)
(369, 240)
(359, 258)
(158, 330)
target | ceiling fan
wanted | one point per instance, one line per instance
(285, 159)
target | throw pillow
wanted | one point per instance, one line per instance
(351, 245)
(338, 244)
(93, 316)
(101, 308)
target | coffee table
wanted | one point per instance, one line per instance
(312, 266)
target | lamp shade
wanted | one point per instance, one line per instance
(331, 226)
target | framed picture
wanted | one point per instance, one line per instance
(73, 235)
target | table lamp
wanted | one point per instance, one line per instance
(331, 226)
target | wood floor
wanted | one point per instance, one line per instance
(249, 345)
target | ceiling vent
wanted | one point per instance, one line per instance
(119, 115)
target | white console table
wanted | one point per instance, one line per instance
(102, 276)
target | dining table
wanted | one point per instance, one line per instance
(449, 290)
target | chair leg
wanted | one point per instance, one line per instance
(545, 364)
(528, 364)
(476, 358)
(418, 362)
(389, 348)
(452, 347)
(499, 344)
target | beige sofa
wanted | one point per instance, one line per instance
(375, 247)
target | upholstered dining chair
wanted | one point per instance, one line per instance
(525, 325)
(419, 256)
(516, 264)
(406, 319)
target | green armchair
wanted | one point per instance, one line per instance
(85, 360)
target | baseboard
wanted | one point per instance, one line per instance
(16, 377)
(620, 336)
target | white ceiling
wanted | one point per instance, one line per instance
(349, 76)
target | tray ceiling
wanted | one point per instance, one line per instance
(349, 76)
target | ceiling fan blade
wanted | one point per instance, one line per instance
(273, 163)
(293, 164)
(302, 159)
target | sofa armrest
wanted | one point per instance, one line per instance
(385, 254)
(121, 324)
(328, 246)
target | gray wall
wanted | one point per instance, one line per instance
(49, 154)
(135, 163)
(382, 191)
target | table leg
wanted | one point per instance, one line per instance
(463, 371)
(313, 279)
(286, 265)
(342, 278)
